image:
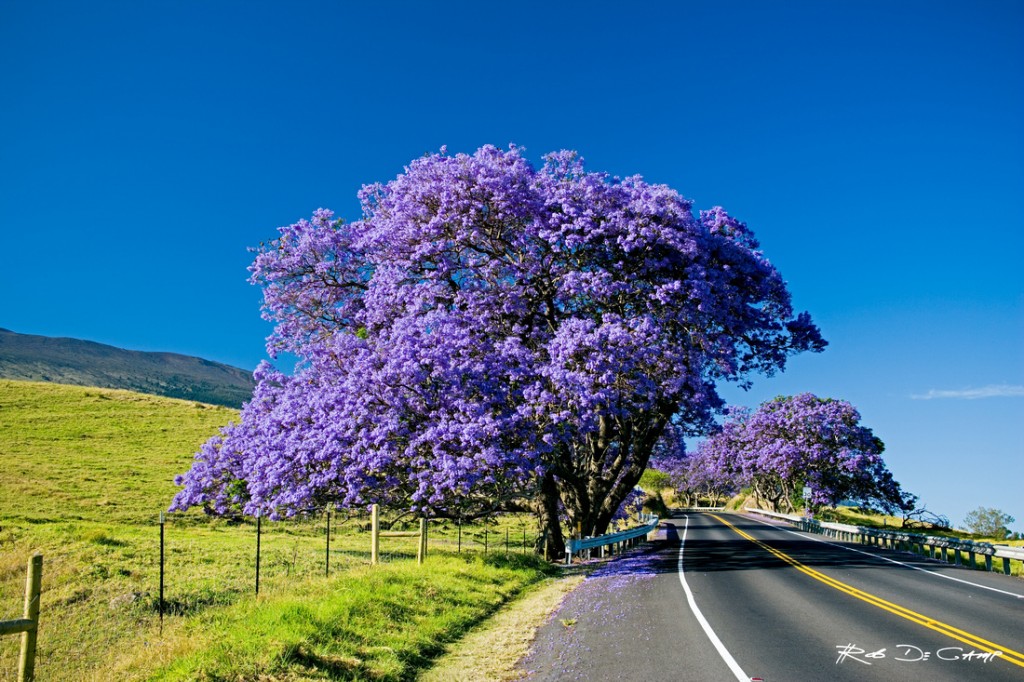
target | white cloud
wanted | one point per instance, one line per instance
(991, 391)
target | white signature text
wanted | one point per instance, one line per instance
(908, 653)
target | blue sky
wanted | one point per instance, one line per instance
(875, 148)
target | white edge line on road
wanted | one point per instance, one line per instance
(809, 536)
(722, 651)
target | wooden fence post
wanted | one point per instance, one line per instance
(374, 534)
(33, 585)
(421, 552)
(327, 555)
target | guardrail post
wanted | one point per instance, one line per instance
(1006, 566)
(33, 585)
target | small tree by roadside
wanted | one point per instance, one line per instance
(989, 523)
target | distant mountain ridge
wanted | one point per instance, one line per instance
(85, 363)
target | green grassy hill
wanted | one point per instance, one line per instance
(86, 473)
(27, 357)
(103, 456)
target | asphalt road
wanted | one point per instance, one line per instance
(730, 597)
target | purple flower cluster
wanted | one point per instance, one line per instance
(630, 506)
(696, 478)
(491, 334)
(803, 440)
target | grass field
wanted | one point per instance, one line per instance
(86, 474)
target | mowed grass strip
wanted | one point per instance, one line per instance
(371, 623)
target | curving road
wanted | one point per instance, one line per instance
(731, 597)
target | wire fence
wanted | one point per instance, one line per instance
(313, 544)
(115, 584)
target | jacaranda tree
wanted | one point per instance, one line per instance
(803, 440)
(692, 476)
(490, 336)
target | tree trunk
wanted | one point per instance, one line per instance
(547, 514)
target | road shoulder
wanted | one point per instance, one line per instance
(492, 650)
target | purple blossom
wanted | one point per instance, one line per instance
(803, 440)
(490, 335)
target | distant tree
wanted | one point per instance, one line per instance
(695, 477)
(796, 441)
(655, 480)
(493, 336)
(989, 523)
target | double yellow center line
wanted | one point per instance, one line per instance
(1007, 654)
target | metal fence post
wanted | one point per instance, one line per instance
(161, 605)
(258, 531)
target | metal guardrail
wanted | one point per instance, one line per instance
(934, 546)
(621, 539)
(683, 510)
